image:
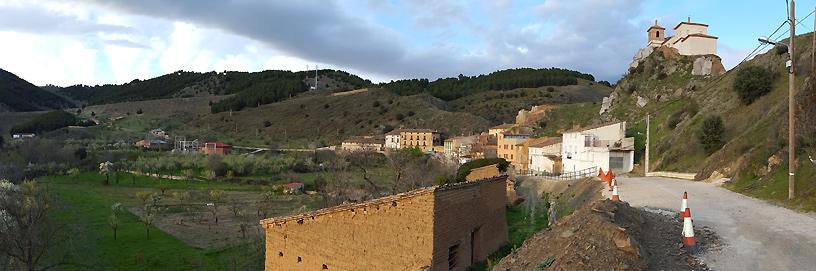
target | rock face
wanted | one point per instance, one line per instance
(707, 65)
(640, 56)
(641, 102)
(606, 104)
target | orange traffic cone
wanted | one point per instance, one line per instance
(615, 195)
(683, 204)
(688, 232)
(609, 177)
(601, 175)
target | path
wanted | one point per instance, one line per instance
(757, 235)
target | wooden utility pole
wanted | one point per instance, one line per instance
(646, 164)
(791, 86)
(813, 46)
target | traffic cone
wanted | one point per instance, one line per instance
(683, 204)
(615, 195)
(688, 232)
(601, 175)
(609, 177)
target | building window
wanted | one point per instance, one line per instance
(657, 34)
(511, 157)
(452, 251)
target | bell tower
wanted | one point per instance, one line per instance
(656, 34)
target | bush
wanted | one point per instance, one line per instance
(753, 82)
(711, 134)
(267, 123)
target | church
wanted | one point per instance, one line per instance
(689, 38)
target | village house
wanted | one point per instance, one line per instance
(545, 156)
(521, 162)
(447, 227)
(423, 139)
(216, 148)
(459, 146)
(509, 139)
(392, 140)
(689, 38)
(601, 146)
(362, 143)
(496, 130)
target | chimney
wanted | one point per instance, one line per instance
(655, 22)
(689, 19)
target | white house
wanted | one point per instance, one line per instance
(459, 146)
(545, 157)
(392, 140)
(602, 146)
(689, 38)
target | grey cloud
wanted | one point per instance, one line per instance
(32, 19)
(590, 35)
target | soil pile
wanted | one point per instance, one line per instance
(609, 235)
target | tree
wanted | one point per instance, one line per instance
(28, 233)
(711, 134)
(113, 220)
(753, 82)
(2, 141)
(215, 197)
(105, 169)
(150, 208)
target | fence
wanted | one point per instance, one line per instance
(566, 176)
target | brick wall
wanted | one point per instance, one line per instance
(472, 219)
(411, 231)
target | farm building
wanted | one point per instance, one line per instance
(216, 148)
(152, 144)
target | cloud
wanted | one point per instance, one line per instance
(33, 19)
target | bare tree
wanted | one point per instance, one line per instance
(215, 197)
(114, 220)
(27, 231)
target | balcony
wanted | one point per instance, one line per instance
(626, 144)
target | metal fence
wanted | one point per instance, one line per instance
(566, 176)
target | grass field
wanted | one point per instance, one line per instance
(86, 207)
(774, 187)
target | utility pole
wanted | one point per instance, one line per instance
(646, 165)
(791, 86)
(813, 46)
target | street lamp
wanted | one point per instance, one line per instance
(766, 40)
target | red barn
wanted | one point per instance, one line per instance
(216, 148)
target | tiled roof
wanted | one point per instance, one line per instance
(590, 127)
(546, 142)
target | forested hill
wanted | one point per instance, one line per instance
(250, 88)
(19, 95)
(454, 88)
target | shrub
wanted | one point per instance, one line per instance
(711, 134)
(753, 82)
(139, 111)
(674, 120)
(267, 123)
(376, 104)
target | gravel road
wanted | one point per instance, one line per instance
(756, 235)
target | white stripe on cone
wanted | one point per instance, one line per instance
(683, 204)
(688, 230)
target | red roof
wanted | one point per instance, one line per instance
(218, 144)
(293, 185)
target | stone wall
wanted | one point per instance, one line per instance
(485, 172)
(410, 231)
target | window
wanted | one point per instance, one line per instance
(511, 157)
(657, 34)
(452, 250)
(616, 163)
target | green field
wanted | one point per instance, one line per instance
(85, 207)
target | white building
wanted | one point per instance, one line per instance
(689, 38)
(459, 146)
(545, 157)
(602, 146)
(392, 140)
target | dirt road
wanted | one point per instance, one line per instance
(756, 234)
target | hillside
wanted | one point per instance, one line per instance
(18, 95)
(754, 143)
(326, 119)
(250, 88)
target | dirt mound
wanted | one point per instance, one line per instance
(608, 235)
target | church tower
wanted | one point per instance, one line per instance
(656, 35)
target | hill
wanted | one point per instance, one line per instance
(250, 88)
(752, 149)
(18, 95)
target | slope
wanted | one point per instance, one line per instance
(755, 138)
(18, 95)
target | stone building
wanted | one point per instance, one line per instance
(362, 143)
(445, 227)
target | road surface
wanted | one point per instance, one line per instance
(756, 235)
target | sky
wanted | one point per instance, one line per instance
(92, 42)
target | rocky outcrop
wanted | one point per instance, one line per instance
(707, 65)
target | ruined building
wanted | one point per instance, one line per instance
(445, 227)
